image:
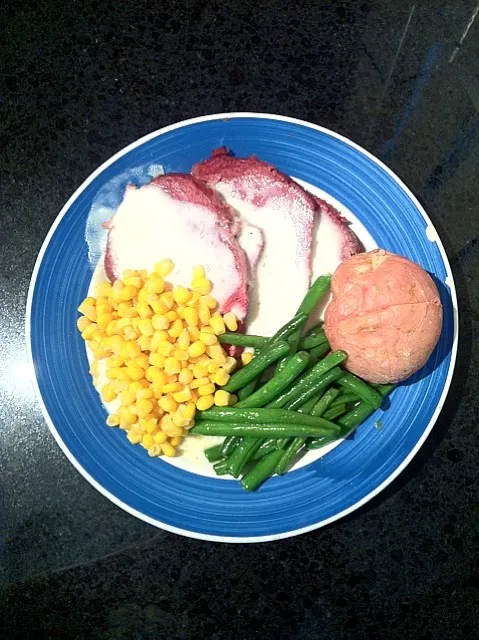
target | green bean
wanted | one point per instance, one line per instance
(312, 387)
(229, 445)
(242, 454)
(248, 389)
(316, 291)
(261, 471)
(288, 455)
(310, 382)
(309, 342)
(278, 383)
(265, 430)
(220, 467)
(324, 402)
(351, 420)
(213, 454)
(295, 444)
(334, 412)
(314, 330)
(256, 366)
(361, 389)
(264, 415)
(363, 410)
(289, 328)
(281, 442)
(322, 441)
(345, 397)
(321, 350)
(243, 340)
(267, 445)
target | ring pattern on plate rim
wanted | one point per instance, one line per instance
(202, 507)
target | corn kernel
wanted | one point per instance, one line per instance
(199, 382)
(144, 342)
(154, 451)
(204, 314)
(134, 387)
(147, 441)
(230, 365)
(184, 340)
(201, 285)
(230, 321)
(135, 372)
(142, 361)
(172, 366)
(87, 334)
(86, 304)
(191, 316)
(126, 415)
(134, 436)
(172, 387)
(165, 348)
(218, 325)
(144, 407)
(217, 353)
(221, 378)
(206, 389)
(128, 293)
(94, 369)
(107, 393)
(222, 398)
(213, 366)
(164, 267)
(132, 281)
(208, 329)
(186, 376)
(160, 323)
(196, 349)
(205, 402)
(181, 356)
(83, 323)
(156, 286)
(176, 328)
(145, 326)
(194, 333)
(104, 289)
(177, 440)
(198, 272)
(158, 307)
(208, 338)
(167, 299)
(127, 398)
(168, 403)
(144, 310)
(209, 301)
(246, 357)
(168, 449)
(113, 420)
(184, 395)
(160, 437)
(181, 294)
(194, 300)
(189, 411)
(200, 371)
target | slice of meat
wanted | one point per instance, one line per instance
(179, 217)
(268, 199)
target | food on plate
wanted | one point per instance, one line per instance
(286, 214)
(162, 359)
(385, 313)
(168, 347)
(179, 216)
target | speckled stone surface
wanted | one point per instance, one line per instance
(80, 80)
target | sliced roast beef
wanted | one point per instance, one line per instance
(179, 217)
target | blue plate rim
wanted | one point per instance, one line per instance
(186, 532)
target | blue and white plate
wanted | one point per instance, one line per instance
(189, 503)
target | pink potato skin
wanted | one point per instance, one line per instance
(385, 313)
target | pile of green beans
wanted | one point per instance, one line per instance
(308, 402)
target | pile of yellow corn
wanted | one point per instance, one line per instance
(162, 355)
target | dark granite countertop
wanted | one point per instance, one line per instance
(81, 79)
